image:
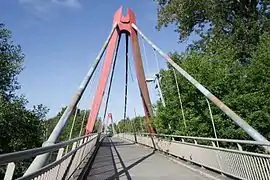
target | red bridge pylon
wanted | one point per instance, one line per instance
(124, 26)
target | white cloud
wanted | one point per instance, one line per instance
(68, 3)
(46, 8)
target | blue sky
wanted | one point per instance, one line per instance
(61, 39)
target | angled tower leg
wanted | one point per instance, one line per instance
(102, 82)
(140, 73)
(141, 80)
(124, 26)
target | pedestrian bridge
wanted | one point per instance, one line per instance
(142, 156)
(134, 155)
(121, 159)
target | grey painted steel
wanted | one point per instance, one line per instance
(233, 162)
(65, 166)
(40, 161)
(10, 171)
(20, 155)
(214, 139)
(237, 119)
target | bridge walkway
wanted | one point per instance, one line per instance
(120, 159)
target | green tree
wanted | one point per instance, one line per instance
(18, 124)
(21, 128)
(11, 60)
(243, 21)
(245, 89)
(136, 124)
(80, 121)
(230, 59)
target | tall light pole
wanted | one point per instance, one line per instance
(156, 80)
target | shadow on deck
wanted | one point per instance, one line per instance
(108, 159)
(120, 159)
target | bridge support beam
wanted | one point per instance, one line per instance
(147, 106)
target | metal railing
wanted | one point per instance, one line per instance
(62, 166)
(223, 107)
(234, 158)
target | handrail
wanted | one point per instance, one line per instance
(214, 139)
(25, 154)
(237, 163)
(55, 163)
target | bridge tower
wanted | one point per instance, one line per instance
(124, 26)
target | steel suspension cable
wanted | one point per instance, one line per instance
(82, 124)
(237, 119)
(72, 127)
(111, 79)
(179, 98)
(126, 79)
(73, 123)
(126, 86)
(212, 119)
(157, 79)
(146, 59)
(155, 54)
(130, 72)
(148, 70)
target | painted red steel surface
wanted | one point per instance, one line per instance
(102, 83)
(124, 26)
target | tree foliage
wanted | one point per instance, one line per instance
(136, 124)
(80, 122)
(243, 21)
(231, 60)
(11, 59)
(21, 128)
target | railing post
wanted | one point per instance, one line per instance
(239, 147)
(10, 171)
(60, 153)
(71, 161)
(217, 156)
